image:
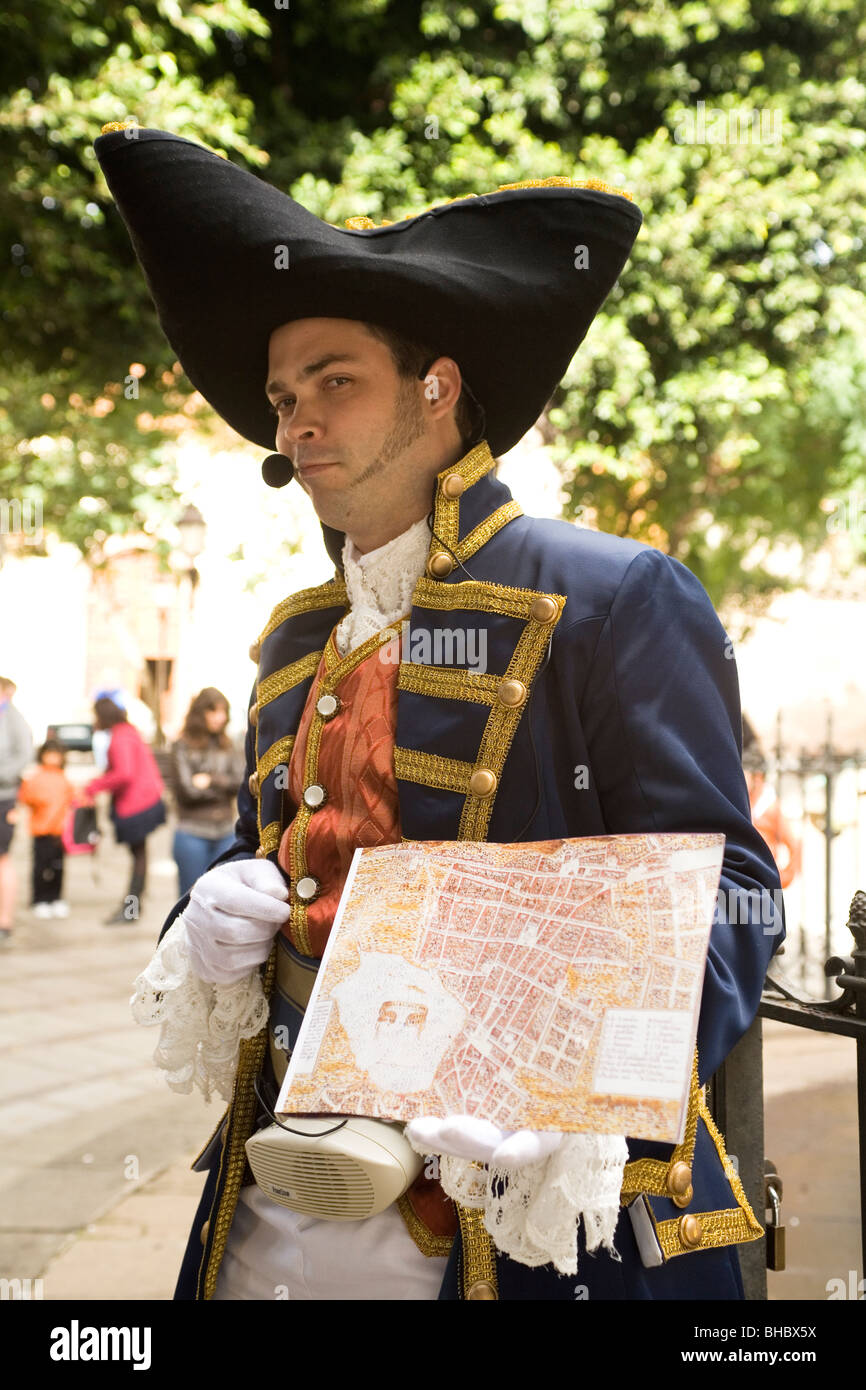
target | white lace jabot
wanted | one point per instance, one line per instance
(380, 584)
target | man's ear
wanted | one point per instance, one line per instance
(442, 385)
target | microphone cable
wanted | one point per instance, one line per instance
(270, 1114)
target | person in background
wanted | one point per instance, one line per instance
(102, 737)
(767, 810)
(49, 794)
(206, 771)
(16, 750)
(136, 789)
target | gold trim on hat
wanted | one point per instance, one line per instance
(366, 224)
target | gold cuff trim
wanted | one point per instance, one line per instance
(426, 1241)
(736, 1226)
(731, 1173)
(448, 683)
(279, 752)
(650, 1175)
(286, 679)
(331, 595)
(717, 1228)
(428, 769)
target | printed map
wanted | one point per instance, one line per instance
(552, 985)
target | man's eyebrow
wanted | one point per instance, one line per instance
(275, 386)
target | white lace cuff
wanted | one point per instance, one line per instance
(532, 1213)
(202, 1025)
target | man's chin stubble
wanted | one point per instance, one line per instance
(407, 428)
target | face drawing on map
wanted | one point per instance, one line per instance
(399, 1020)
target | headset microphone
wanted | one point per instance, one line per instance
(277, 470)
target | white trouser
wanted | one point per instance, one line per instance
(275, 1253)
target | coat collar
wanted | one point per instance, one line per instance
(469, 505)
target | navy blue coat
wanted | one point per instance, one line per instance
(630, 675)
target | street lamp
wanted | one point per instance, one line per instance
(185, 548)
(192, 527)
(164, 597)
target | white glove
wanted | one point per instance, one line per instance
(467, 1136)
(234, 913)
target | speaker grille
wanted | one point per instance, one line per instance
(318, 1184)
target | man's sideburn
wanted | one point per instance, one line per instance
(407, 427)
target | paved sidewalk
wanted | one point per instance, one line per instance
(810, 1133)
(135, 1249)
(86, 1120)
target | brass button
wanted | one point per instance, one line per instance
(261, 852)
(511, 693)
(307, 888)
(690, 1230)
(253, 784)
(679, 1183)
(543, 610)
(204, 1230)
(254, 715)
(327, 706)
(482, 1288)
(255, 651)
(453, 486)
(440, 564)
(315, 796)
(482, 782)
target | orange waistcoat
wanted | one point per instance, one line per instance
(341, 779)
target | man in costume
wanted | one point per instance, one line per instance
(391, 365)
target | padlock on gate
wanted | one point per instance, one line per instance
(775, 1232)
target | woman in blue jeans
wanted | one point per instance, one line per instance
(206, 772)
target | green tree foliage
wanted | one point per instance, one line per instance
(89, 394)
(719, 398)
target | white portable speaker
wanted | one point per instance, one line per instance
(338, 1174)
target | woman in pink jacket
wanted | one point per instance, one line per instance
(136, 789)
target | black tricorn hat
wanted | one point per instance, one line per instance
(506, 283)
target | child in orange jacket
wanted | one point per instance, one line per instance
(49, 794)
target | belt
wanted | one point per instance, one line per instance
(295, 977)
